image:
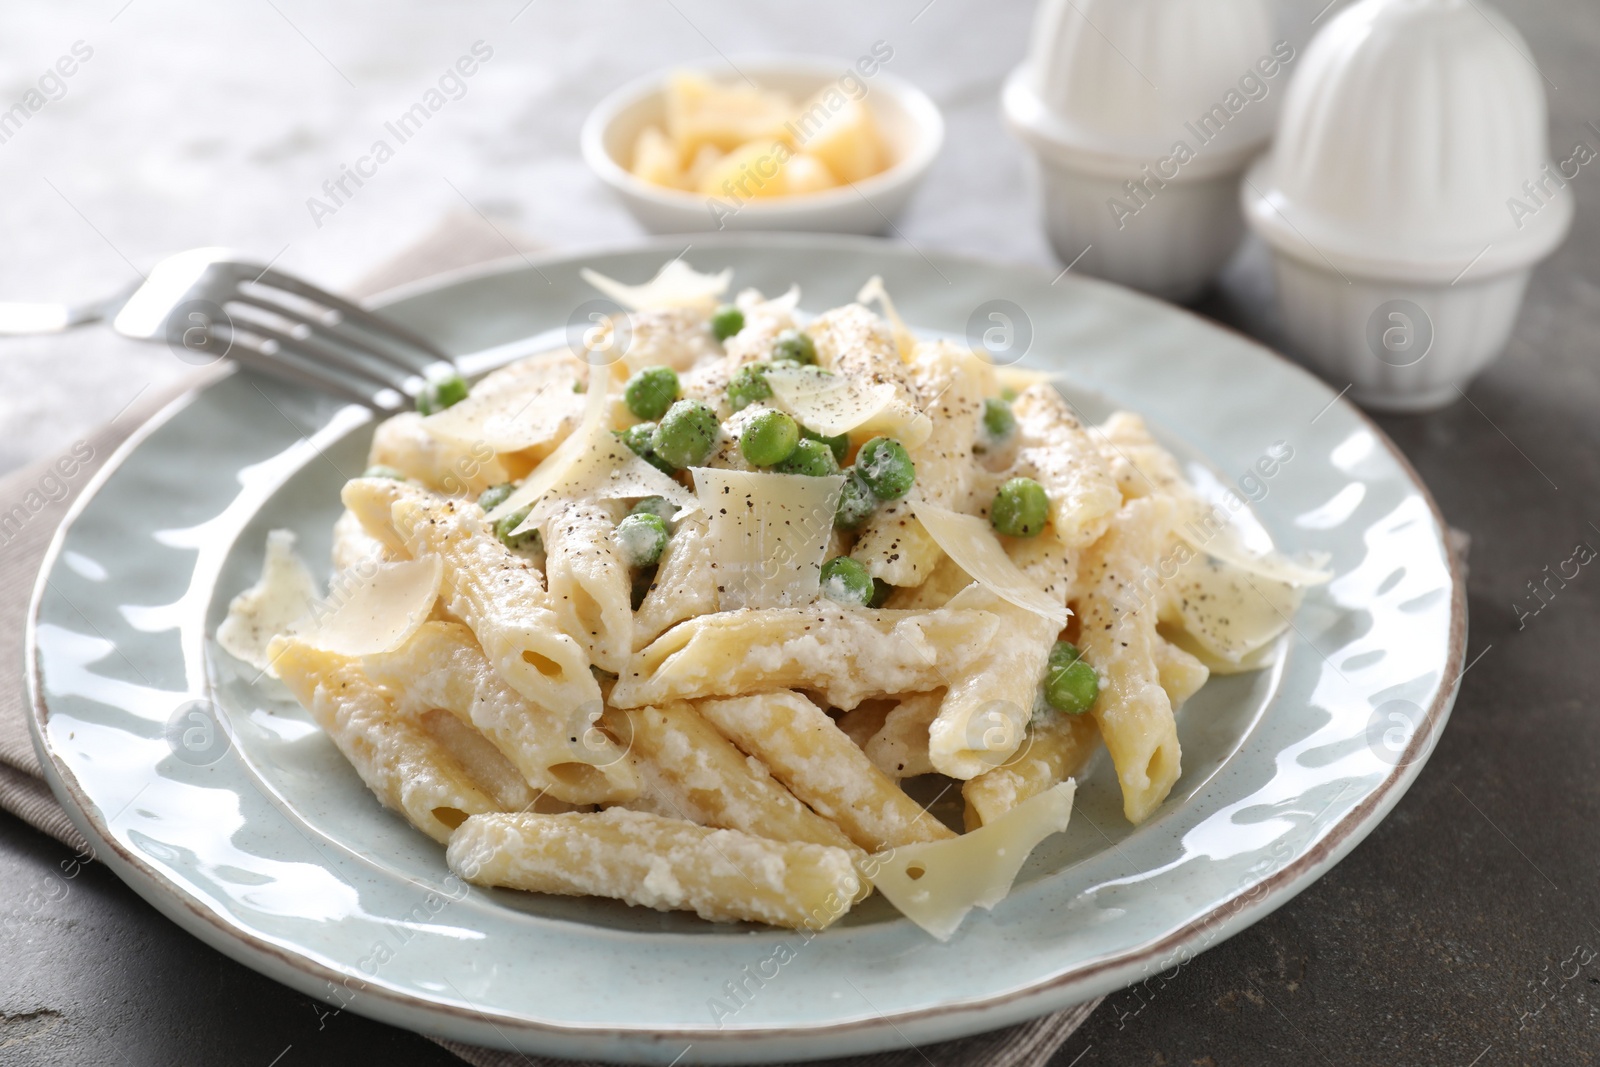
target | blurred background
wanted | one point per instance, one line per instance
(212, 124)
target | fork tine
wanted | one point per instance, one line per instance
(295, 361)
(351, 313)
(391, 356)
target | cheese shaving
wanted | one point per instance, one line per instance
(280, 598)
(904, 340)
(972, 545)
(935, 884)
(836, 404)
(523, 414)
(1226, 545)
(769, 534)
(368, 615)
(1229, 612)
(610, 470)
(559, 463)
(675, 285)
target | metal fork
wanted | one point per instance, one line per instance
(207, 304)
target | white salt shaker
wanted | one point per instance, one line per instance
(1142, 115)
(1407, 197)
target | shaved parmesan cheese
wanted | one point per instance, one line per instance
(1229, 612)
(280, 598)
(609, 470)
(904, 339)
(558, 464)
(1258, 660)
(369, 615)
(525, 413)
(785, 303)
(768, 534)
(675, 285)
(833, 404)
(935, 884)
(971, 544)
(1227, 545)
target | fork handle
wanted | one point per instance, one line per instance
(23, 320)
(28, 320)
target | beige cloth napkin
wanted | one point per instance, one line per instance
(28, 521)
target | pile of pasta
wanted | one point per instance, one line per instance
(723, 727)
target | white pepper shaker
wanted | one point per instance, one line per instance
(1142, 114)
(1407, 197)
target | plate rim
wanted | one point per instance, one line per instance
(1029, 1000)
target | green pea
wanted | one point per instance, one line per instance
(794, 346)
(856, 501)
(998, 421)
(440, 392)
(1020, 508)
(517, 542)
(809, 457)
(687, 434)
(650, 392)
(881, 591)
(655, 505)
(844, 581)
(1070, 684)
(378, 470)
(495, 495)
(642, 537)
(748, 385)
(887, 467)
(1008, 394)
(770, 437)
(580, 386)
(839, 445)
(727, 321)
(638, 437)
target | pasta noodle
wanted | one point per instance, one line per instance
(674, 630)
(660, 863)
(821, 766)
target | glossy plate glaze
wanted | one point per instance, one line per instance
(264, 843)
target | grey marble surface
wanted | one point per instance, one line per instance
(1446, 938)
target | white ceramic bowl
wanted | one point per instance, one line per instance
(908, 119)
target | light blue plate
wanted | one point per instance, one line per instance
(276, 854)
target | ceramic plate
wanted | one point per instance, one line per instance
(259, 839)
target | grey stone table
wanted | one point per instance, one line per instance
(1451, 936)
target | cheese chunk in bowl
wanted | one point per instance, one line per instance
(803, 144)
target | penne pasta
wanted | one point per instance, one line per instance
(589, 587)
(654, 862)
(845, 655)
(1181, 674)
(499, 595)
(947, 381)
(700, 776)
(899, 747)
(555, 750)
(816, 621)
(684, 585)
(1056, 749)
(984, 714)
(808, 752)
(1056, 451)
(443, 464)
(1119, 640)
(407, 769)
